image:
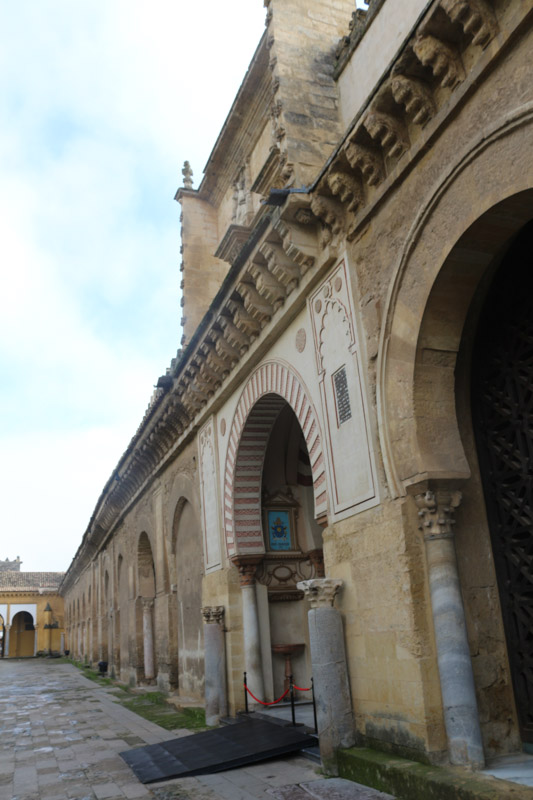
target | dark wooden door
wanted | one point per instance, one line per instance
(502, 408)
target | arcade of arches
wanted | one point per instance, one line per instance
(334, 476)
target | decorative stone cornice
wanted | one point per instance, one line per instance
(320, 592)
(213, 615)
(436, 512)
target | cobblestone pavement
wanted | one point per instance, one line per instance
(60, 736)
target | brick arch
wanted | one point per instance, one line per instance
(267, 391)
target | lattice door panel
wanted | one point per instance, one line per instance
(502, 405)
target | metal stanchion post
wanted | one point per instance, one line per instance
(314, 704)
(245, 694)
(291, 686)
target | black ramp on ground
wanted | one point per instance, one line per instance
(213, 751)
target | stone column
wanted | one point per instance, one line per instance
(216, 701)
(461, 719)
(148, 638)
(110, 637)
(62, 644)
(247, 566)
(35, 640)
(7, 628)
(336, 727)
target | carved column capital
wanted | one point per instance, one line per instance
(247, 566)
(320, 592)
(436, 511)
(213, 614)
(147, 603)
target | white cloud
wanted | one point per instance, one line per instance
(101, 102)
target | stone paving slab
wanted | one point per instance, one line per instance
(61, 734)
(332, 789)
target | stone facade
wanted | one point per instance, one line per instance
(316, 423)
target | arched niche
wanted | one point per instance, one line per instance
(268, 390)
(145, 567)
(189, 571)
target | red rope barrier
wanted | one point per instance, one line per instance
(299, 688)
(273, 703)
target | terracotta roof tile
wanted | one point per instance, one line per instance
(11, 580)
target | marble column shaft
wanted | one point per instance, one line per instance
(216, 701)
(336, 726)
(6, 640)
(247, 566)
(461, 716)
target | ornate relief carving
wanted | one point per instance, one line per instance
(436, 512)
(443, 60)
(367, 161)
(415, 96)
(213, 615)
(281, 573)
(347, 188)
(321, 592)
(389, 131)
(476, 18)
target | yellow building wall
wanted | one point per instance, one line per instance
(21, 641)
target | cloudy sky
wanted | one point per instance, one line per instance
(101, 101)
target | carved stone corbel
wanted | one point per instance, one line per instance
(414, 96)
(389, 131)
(218, 364)
(330, 214)
(227, 352)
(267, 285)
(443, 60)
(299, 241)
(236, 338)
(283, 268)
(244, 322)
(476, 18)
(256, 305)
(347, 188)
(367, 161)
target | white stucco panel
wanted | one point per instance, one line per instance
(344, 405)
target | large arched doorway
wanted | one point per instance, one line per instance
(22, 636)
(502, 412)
